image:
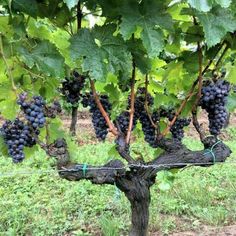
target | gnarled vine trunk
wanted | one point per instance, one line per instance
(139, 198)
(136, 180)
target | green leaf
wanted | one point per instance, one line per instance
(142, 61)
(224, 3)
(216, 24)
(101, 52)
(30, 151)
(83, 46)
(30, 8)
(153, 41)
(231, 77)
(116, 52)
(231, 104)
(3, 147)
(201, 5)
(190, 58)
(45, 57)
(71, 3)
(113, 152)
(206, 5)
(54, 130)
(9, 109)
(146, 16)
(112, 91)
(173, 77)
(165, 179)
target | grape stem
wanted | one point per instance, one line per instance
(102, 110)
(199, 94)
(132, 98)
(146, 102)
(7, 66)
(210, 62)
(47, 133)
(79, 16)
(220, 58)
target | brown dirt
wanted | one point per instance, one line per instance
(209, 231)
(85, 127)
(203, 121)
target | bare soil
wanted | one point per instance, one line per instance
(85, 127)
(209, 231)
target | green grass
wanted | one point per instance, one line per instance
(44, 204)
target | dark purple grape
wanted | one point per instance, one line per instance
(72, 87)
(16, 135)
(99, 122)
(213, 100)
(34, 110)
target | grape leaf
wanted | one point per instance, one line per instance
(117, 55)
(206, 5)
(231, 104)
(201, 5)
(9, 108)
(83, 46)
(142, 61)
(45, 57)
(101, 52)
(146, 16)
(55, 130)
(216, 24)
(153, 41)
(71, 3)
(23, 5)
(224, 3)
(232, 74)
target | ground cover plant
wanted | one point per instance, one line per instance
(145, 67)
(41, 204)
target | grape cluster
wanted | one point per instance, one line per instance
(71, 88)
(141, 114)
(123, 122)
(34, 110)
(99, 122)
(52, 110)
(139, 104)
(213, 100)
(17, 135)
(177, 129)
(148, 129)
(86, 98)
(167, 113)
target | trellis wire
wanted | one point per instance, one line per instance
(54, 171)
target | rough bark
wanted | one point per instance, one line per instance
(106, 174)
(74, 114)
(137, 190)
(140, 214)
